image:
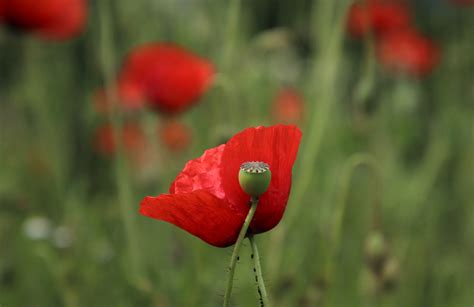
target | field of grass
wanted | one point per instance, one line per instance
(381, 210)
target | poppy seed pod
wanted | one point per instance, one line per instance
(391, 273)
(376, 251)
(254, 178)
(375, 245)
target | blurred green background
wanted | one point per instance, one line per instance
(386, 162)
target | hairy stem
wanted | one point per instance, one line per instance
(237, 246)
(257, 269)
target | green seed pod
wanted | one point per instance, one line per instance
(391, 273)
(254, 178)
(375, 245)
(376, 251)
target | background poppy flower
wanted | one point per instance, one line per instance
(54, 19)
(167, 76)
(133, 140)
(102, 104)
(288, 106)
(206, 198)
(2, 10)
(377, 16)
(408, 52)
(175, 135)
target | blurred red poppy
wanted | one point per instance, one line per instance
(167, 76)
(408, 52)
(133, 139)
(175, 135)
(288, 106)
(103, 106)
(206, 199)
(53, 19)
(377, 16)
(2, 10)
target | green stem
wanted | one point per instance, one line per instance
(325, 71)
(230, 33)
(257, 269)
(237, 246)
(365, 85)
(225, 64)
(354, 162)
(121, 172)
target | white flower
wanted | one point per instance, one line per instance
(37, 228)
(62, 237)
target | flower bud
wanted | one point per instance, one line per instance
(391, 273)
(375, 245)
(255, 177)
(376, 251)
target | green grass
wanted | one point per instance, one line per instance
(370, 140)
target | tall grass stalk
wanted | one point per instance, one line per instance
(124, 192)
(323, 82)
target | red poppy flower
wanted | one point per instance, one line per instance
(54, 19)
(408, 52)
(377, 16)
(133, 139)
(103, 106)
(2, 10)
(206, 199)
(288, 106)
(167, 76)
(175, 135)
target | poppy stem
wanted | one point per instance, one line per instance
(237, 246)
(122, 183)
(257, 269)
(355, 161)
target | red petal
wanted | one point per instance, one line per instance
(55, 19)
(407, 51)
(177, 78)
(129, 99)
(288, 106)
(170, 77)
(202, 173)
(131, 94)
(175, 135)
(70, 22)
(2, 10)
(133, 139)
(380, 17)
(30, 14)
(277, 146)
(200, 213)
